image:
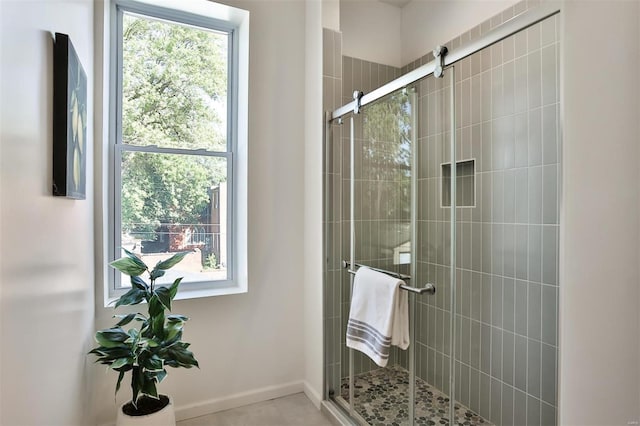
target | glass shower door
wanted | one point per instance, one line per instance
(434, 193)
(401, 146)
(479, 148)
(382, 232)
(507, 228)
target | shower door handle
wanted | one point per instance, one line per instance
(428, 288)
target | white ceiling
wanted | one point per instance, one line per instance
(396, 3)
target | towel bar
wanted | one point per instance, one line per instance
(428, 288)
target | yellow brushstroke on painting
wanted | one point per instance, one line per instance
(74, 114)
(77, 136)
(76, 168)
(80, 134)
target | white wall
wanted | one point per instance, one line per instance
(386, 34)
(46, 276)
(428, 23)
(330, 13)
(313, 257)
(1, 262)
(599, 323)
(371, 31)
(250, 346)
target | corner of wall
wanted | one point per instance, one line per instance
(312, 295)
(638, 177)
(1, 209)
(331, 14)
(638, 161)
(599, 252)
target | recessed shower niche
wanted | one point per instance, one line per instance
(465, 183)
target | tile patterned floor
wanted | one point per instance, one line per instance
(382, 399)
(292, 410)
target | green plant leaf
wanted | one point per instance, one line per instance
(157, 325)
(172, 261)
(129, 266)
(149, 386)
(173, 328)
(140, 317)
(180, 356)
(98, 355)
(132, 255)
(160, 375)
(111, 337)
(155, 306)
(145, 329)
(137, 381)
(148, 343)
(172, 331)
(176, 318)
(173, 290)
(156, 273)
(139, 283)
(125, 319)
(99, 351)
(132, 297)
(120, 377)
(164, 296)
(153, 363)
(121, 362)
(107, 355)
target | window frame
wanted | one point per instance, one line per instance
(236, 222)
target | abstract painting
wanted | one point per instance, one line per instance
(69, 121)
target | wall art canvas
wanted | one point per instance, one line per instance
(69, 121)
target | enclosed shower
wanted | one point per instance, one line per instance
(446, 174)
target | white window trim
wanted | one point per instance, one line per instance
(210, 15)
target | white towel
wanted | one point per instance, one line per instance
(379, 315)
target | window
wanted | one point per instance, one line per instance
(178, 135)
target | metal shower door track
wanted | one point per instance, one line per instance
(506, 29)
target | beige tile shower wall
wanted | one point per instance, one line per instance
(507, 246)
(364, 76)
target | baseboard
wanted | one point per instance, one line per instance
(239, 399)
(312, 394)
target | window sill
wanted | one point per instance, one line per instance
(195, 293)
(210, 292)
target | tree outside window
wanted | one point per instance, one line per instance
(174, 156)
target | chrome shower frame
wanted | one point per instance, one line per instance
(440, 64)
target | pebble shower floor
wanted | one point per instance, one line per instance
(382, 398)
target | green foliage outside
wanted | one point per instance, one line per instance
(387, 153)
(211, 262)
(174, 96)
(156, 343)
(387, 134)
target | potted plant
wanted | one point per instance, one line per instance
(146, 349)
